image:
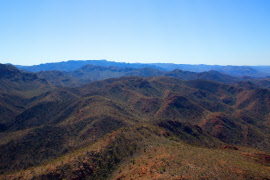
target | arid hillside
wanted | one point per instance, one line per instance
(133, 127)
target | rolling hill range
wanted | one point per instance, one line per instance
(90, 73)
(253, 71)
(65, 74)
(155, 127)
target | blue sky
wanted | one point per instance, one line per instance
(224, 32)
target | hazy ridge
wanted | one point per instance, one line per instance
(254, 71)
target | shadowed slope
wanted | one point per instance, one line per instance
(17, 82)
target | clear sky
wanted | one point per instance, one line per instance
(224, 32)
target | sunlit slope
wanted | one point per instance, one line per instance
(151, 152)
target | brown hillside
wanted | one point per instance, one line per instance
(117, 128)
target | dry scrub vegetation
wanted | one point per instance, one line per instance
(150, 152)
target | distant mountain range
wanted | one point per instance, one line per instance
(253, 71)
(74, 65)
(105, 122)
(89, 73)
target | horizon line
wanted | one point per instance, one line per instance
(129, 63)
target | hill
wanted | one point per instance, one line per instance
(136, 127)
